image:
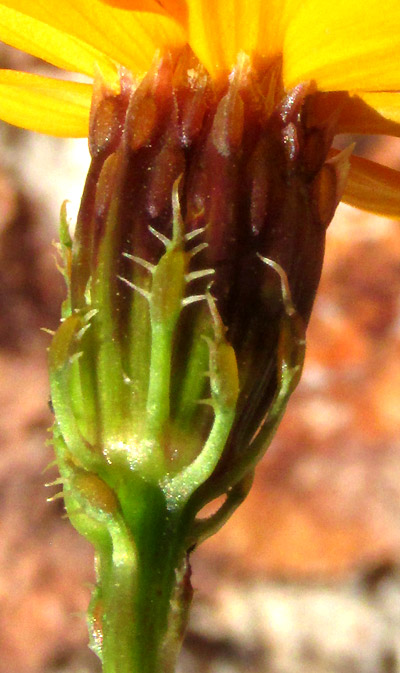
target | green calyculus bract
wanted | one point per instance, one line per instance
(191, 276)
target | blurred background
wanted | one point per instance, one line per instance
(305, 578)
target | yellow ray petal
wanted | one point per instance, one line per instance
(344, 44)
(43, 104)
(359, 112)
(158, 6)
(371, 112)
(373, 187)
(54, 46)
(129, 38)
(175, 8)
(219, 30)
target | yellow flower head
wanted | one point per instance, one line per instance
(195, 260)
(339, 46)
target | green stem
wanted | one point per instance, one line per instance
(119, 589)
(144, 589)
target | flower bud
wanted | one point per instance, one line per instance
(191, 277)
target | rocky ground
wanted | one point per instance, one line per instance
(305, 578)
